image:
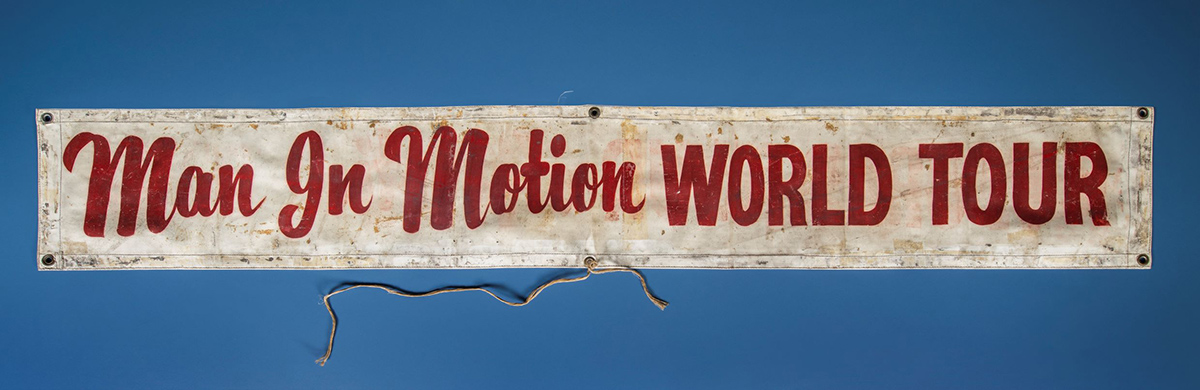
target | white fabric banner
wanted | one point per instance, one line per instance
(549, 186)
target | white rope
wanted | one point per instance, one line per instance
(590, 263)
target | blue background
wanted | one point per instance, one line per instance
(724, 329)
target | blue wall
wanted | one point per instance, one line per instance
(724, 329)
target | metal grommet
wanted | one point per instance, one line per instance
(590, 262)
(594, 112)
(1143, 112)
(1143, 260)
(47, 117)
(48, 260)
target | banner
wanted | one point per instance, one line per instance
(551, 186)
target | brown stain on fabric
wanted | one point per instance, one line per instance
(632, 151)
(907, 246)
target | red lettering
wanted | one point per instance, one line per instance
(941, 155)
(243, 183)
(747, 156)
(558, 201)
(585, 179)
(614, 180)
(340, 183)
(822, 214)
(157, 163)
(778, 189)
(533, 172)
(857, 214)
(1045, 210)
(1075, 184)
(445, 175)
(995, 207)
(312, 189)
(200, 205)
(506, 181)
(679, 183)
(229, 186)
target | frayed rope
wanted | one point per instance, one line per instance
(590, 263)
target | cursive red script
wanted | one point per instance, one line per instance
(508, 182)
(231, 188)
